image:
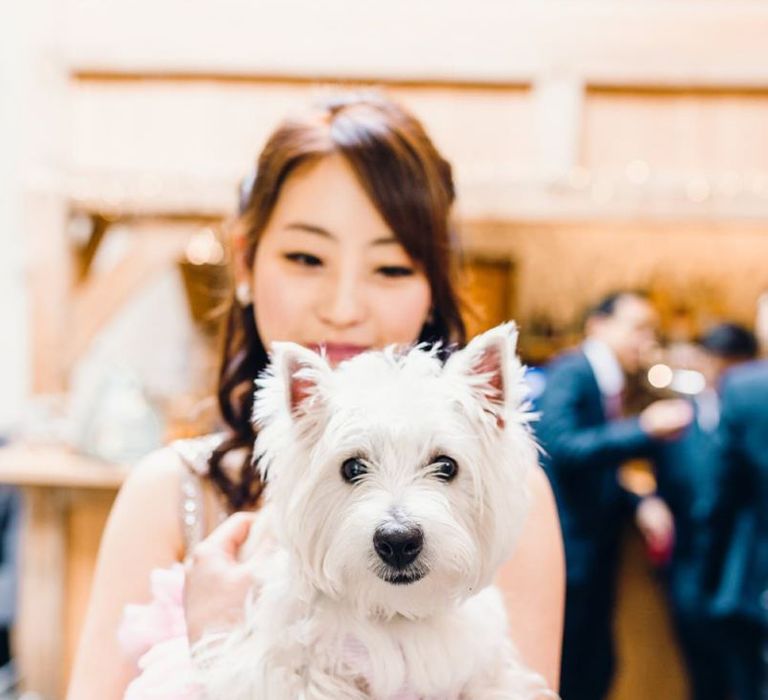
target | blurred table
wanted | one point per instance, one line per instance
(67, 498)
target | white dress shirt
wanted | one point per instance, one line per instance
(608, 373)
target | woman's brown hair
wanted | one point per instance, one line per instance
(411, 186)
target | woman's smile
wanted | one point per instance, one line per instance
(338, 352)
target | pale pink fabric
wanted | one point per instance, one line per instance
(155, 635)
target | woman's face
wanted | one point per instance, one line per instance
(328, 270)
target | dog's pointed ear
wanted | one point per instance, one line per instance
(303, 372)
(293, 383)
(490, 365)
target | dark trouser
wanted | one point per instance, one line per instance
(588, 653)
(703, 650)
(5, 646)
(746, 650)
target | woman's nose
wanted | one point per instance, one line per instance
(342, 304)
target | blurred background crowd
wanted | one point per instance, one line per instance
(611, 161)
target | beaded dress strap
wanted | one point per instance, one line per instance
(194, 453)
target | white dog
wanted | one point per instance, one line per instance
(396, 487)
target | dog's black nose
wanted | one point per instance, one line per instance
(398, 545)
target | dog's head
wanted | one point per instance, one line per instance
(399, 482)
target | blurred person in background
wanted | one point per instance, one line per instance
(345, 241)
(741, 517)
(586, 437)
(688, 476)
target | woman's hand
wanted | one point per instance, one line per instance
(217, 582)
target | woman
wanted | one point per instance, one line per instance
(345, 241)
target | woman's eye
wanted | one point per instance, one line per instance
(353, 469)
(304, 259)
(445, 468)
(395, 271)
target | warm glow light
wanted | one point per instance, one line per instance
(204, 248)
(660, 376)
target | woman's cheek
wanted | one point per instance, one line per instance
(402, 312)
(281, 305)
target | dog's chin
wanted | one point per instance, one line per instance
(401, 577)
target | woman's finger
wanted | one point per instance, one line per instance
(231, 534)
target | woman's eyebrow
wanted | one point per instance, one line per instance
(310, 228)
(325, 233)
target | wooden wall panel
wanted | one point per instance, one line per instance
(488, 290)
(683, 131)
(154, 139)
(628, 42)
(562, 267)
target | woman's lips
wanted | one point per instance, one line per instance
(338, 352)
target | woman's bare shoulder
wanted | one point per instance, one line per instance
(159, 470)
(149, 499)
(160, 467)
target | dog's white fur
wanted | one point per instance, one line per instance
(443, 636)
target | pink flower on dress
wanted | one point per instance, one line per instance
(166, 672)
(143, 626)
(155, 635)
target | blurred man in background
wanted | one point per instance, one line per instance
(741, 515)
(688, 473)
(586, 438)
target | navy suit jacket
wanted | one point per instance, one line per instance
(689, 474)
(583, 451)
(742, 499)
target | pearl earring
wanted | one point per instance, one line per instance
(243, 294)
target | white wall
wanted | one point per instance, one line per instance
(32, 84)
(14, 365)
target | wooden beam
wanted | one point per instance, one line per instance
(85, 253)
(40, 638)
(100, 298)
(50, 279)
(708, 90)
(94, 75)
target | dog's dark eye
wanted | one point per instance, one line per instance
(353, 469)
(445, 468)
